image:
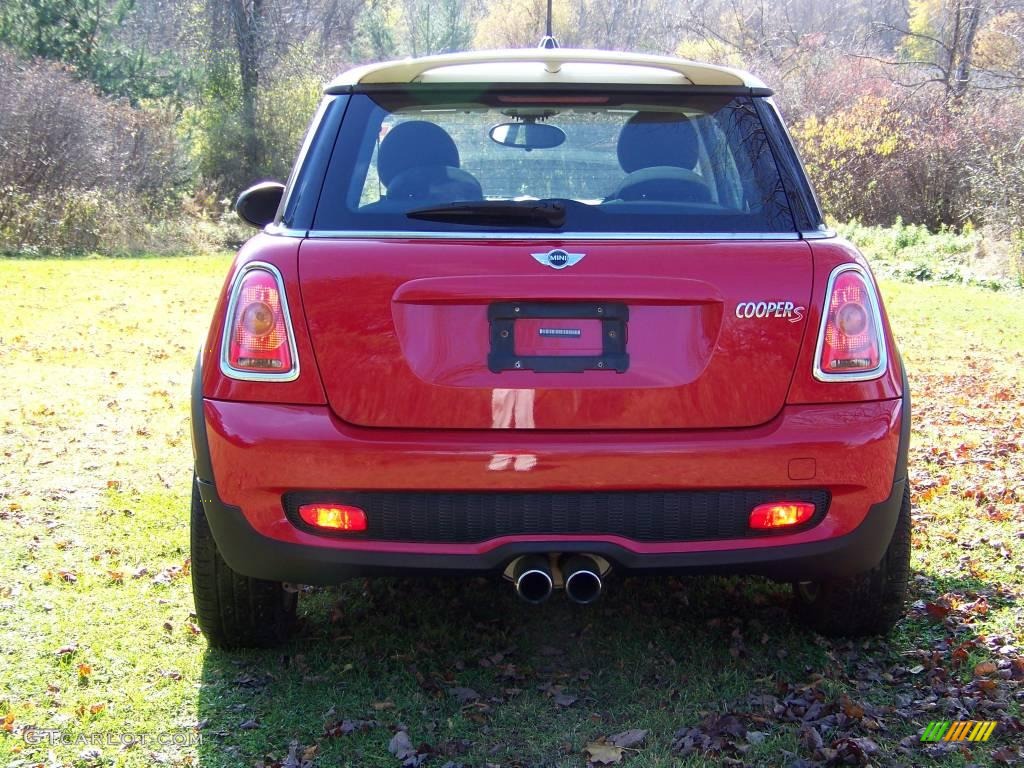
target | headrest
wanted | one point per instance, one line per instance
(412, 144)
(649, 139)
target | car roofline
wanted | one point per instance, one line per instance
(610, 67)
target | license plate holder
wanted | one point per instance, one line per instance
(613, 317)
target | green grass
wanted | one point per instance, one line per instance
(94, 484)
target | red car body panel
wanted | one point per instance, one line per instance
(400, 331)
(263, 451)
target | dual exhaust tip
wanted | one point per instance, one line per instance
(581, 577)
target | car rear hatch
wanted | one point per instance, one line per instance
(478, 334)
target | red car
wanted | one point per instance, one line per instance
(559, 315)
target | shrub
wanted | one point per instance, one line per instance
(80, 172)
(74, 222)
(212, 130)
(849, 155)
(875, 149)
(57, 133)
(285, 107)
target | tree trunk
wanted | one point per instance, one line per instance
(972, 20)
(247, 16)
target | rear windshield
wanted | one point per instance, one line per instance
(421, 161)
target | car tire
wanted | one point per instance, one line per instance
(232, 610)
(868, 603)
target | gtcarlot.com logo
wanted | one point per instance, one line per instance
(54, 737)
(959, 730)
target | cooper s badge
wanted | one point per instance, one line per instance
(558, 259)
(787, 309)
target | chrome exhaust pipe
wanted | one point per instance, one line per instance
(532, 578)
(582, 577)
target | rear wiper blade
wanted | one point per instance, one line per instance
(500, 213)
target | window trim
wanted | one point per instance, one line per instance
(803, 201)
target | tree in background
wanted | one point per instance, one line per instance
(393, 28)
(235, 128)
(87, 35)
(618, 25)
(248, 23)
(901, 107)
(521, 24)
(437, 26)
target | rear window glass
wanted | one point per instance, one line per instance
(436, 161)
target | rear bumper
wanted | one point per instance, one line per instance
(250, 455)
(251, 553)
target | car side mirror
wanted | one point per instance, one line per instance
(258, 204)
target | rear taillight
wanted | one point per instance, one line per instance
(785, 514)
(258, 342)
(850, 342)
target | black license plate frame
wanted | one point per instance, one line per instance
(614, 317)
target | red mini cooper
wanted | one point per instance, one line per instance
(552, 314)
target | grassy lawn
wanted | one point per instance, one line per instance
(98, 639)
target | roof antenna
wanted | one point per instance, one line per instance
(548, 41)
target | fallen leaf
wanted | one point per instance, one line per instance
(345, 727)
(84, 670)
(400, 746)
(628, 739)
(464, 695)
(599, 753)
(852, 709)
(565, 699)
(1006, 755)
(249, 725)
(985, 668)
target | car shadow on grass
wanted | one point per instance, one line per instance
(476, 677)
(480, 677)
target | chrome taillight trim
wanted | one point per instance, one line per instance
(225, 342)
(876, 314)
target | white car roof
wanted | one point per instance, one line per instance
(534, 66)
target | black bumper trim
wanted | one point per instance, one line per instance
(472, 517)
(252, 554)
(200, 446)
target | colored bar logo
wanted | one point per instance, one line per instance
(959, 730)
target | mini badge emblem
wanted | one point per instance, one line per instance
(558, 259)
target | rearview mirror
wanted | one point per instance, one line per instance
(258, 204)
(527, 135)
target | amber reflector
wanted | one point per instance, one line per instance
(334, 517)
(781, 514)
